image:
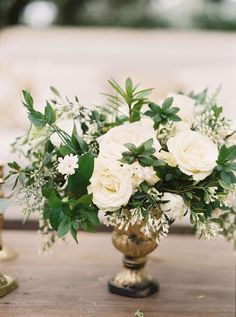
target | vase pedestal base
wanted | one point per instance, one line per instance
(7, 254)
(139, 291)
(7, 285)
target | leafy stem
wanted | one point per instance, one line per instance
(130, 97)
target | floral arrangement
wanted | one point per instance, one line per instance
(134, 161)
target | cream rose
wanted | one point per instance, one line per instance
(194, 153)
(174, 206)
(111, 185)
(111, 144)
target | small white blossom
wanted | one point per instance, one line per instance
(68, 164)
(211, 194)
(174, 206)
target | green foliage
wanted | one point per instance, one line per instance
(199, 97)
(50, 115)
(68, 215)
(35, 117)
(4, 204)
(129, 96)
(143, 154)
(226, 166)
(163, 114)
(78, 182)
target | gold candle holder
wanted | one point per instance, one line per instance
(7, 284)
(6, 253)
(133, 280)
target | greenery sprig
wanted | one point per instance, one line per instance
(142, 153)
(226, 165)
(163, 114)
(130, 97)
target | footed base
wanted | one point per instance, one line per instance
(7, 285)
(135, 292)
(7, 254)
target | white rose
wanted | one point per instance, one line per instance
(111, 185)
(67, 126)
(174, 207)
(141, 174)
(194, 153)
(111, 144)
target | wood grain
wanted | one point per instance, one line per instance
(196, 279)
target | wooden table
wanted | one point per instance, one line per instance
(196, 277)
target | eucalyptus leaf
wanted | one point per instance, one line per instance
(4, 204)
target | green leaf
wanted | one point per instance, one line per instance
(86, 164)
(129, 87)
(155, 108)
(64, 150)
(174, 117)
(50, 115)
(64, 227)
(224, 185)
(92, 217)
(28, 99)
(144, 186)
(55, 91)
(78, 182)
(231, 153)
(54, 200)
(82, 144)
(117, 88)
(87, 226)
(231, 166)
(14, 165)
(145, 160)
(74, 232)
(86, 199)
(37, 119)
(227, 178)
(143, 93)
(48, 189)
(148, 144)
(131, 147)
(135, 114)
(167, 103)
(4, 204)
(55, 217)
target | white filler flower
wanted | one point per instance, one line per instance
(194, 153)
(140, 174)
(111, 185)
(68, 164)
(174, 207)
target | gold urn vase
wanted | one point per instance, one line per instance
(133, 280)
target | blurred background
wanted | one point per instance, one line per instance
(76, 45)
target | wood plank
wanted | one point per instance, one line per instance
(196, 278)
